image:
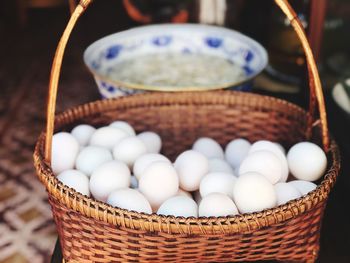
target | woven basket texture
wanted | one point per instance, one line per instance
(91, 231)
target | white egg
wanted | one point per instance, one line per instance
(134, 183)
(129, 149)
(253, 192)
(107, 137)
(179, 206)
(209, 147)
(123, 125)
(129, 199)
(191, 166)
(307, 161)
(219, 165)
(281, 147)
(145, 160)
(263, 162)
(217, 204)
(158, 183)
(184, 193)
(83, 133)
(217, 183)
(76, 180)
(109, 177)
(236, 151)
(65, 149)
(264, 145)
(92, 157)
(286, 192)
(304, 187)
(152, 141)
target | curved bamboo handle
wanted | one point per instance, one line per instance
(55, 75)
(316, 93)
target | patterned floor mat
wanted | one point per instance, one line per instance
(27, 231)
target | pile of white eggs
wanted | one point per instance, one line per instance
(125, 170)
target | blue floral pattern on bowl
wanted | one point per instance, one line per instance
(113, 51)
(213, 42)
(176, 38)
(112, 91)
(162, 40)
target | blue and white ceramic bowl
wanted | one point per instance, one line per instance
(239, 49)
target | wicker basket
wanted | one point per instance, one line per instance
(91, 231)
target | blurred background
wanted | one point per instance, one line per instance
(29, 32)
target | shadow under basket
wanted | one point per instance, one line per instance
(91, 231)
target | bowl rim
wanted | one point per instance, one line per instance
(187, 26)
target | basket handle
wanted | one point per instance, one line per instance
(316, 93)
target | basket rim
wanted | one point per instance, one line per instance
(87, 206)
